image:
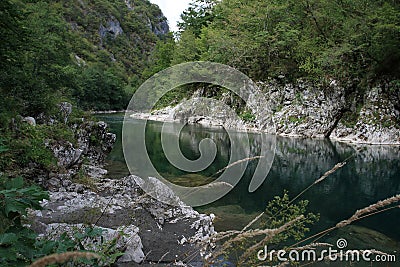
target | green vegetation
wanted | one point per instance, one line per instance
(17, 243)
(356, 43)
(339, 39)
(89, 52)
(247, 116)
(24, 145)
(282, 222)
(281, 210)
(95, 53)
(296, 119)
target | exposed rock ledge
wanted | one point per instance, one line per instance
(154, 232)
(300, 110)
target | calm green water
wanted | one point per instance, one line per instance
(371, 175)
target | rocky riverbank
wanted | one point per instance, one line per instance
(300, 109)
(83, 157)
(144, 229)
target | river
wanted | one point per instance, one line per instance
(372, 174)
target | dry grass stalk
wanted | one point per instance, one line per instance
(360, 214)
(267, 238)
(224, 235)
(323, 177)
(63, 257)
(313, 246)
(269, 234)
(331, 171)
(252, 222)
(222, 170)
(236, 163)
(162, 257)
(227, 234)
(370, 209)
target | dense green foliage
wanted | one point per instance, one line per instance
(198, 15)
(16, 241)
(357, 43)
(24, 146)
(343, 40)
(281, 210)
(98, 52)
(89, 52)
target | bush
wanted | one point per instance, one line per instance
(17, 243)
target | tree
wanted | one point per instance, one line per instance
(341, 39)
(187, 49)
(35, 71)
(162, 56)
(100, 89)
(198, 15)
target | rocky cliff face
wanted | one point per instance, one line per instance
(125, 31)
(306, 109)
(377, 122)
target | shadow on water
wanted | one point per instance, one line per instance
(371, 175)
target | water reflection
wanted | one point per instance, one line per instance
(372, 174)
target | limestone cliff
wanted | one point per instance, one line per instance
(309, 109)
